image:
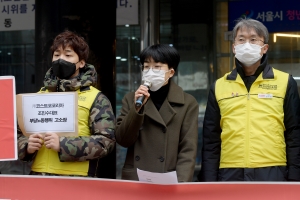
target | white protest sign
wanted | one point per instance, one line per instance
(17, 15)
(48, 112)
(127, 12)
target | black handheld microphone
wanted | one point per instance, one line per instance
(140, 100)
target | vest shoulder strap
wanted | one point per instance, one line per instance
(86, 98)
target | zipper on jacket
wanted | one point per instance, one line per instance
(247, 131)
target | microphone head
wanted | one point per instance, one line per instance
(147, 83)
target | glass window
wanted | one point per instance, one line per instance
(224, 55)
(191, 38)
(17, 58)
(283, 53)
(128, 74)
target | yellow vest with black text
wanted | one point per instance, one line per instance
(252, 122)
(48, 161)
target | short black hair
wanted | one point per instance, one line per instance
(163, 53)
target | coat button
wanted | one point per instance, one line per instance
(161, 159)
(164, 130)
(137, 158)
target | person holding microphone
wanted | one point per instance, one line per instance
(158, 123)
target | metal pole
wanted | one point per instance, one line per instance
(149, 22)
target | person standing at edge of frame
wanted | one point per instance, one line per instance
(161, 135)
(72, 156)
(251, 126)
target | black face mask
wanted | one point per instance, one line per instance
(63, 69)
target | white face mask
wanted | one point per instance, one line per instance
(247, 53)
(156, 79)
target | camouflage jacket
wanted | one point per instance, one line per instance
(101, 122)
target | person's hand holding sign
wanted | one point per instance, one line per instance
(35, 142)
(51, 141)
(55, 117)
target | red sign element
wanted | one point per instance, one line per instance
(50, 187)
(8, 132)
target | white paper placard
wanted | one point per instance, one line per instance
(48, 112)
(157, 178)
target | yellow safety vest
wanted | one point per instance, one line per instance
(47, 160)
(252, 122)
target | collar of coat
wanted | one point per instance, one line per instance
(267, 70)
(165, 114)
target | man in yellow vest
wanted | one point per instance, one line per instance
(72, 156)
(251, 127)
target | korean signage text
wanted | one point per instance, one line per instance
(17, 15)
(276, 15)
(48, 112)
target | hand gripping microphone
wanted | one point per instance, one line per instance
(140, 100)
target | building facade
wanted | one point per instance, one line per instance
(118, 30)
